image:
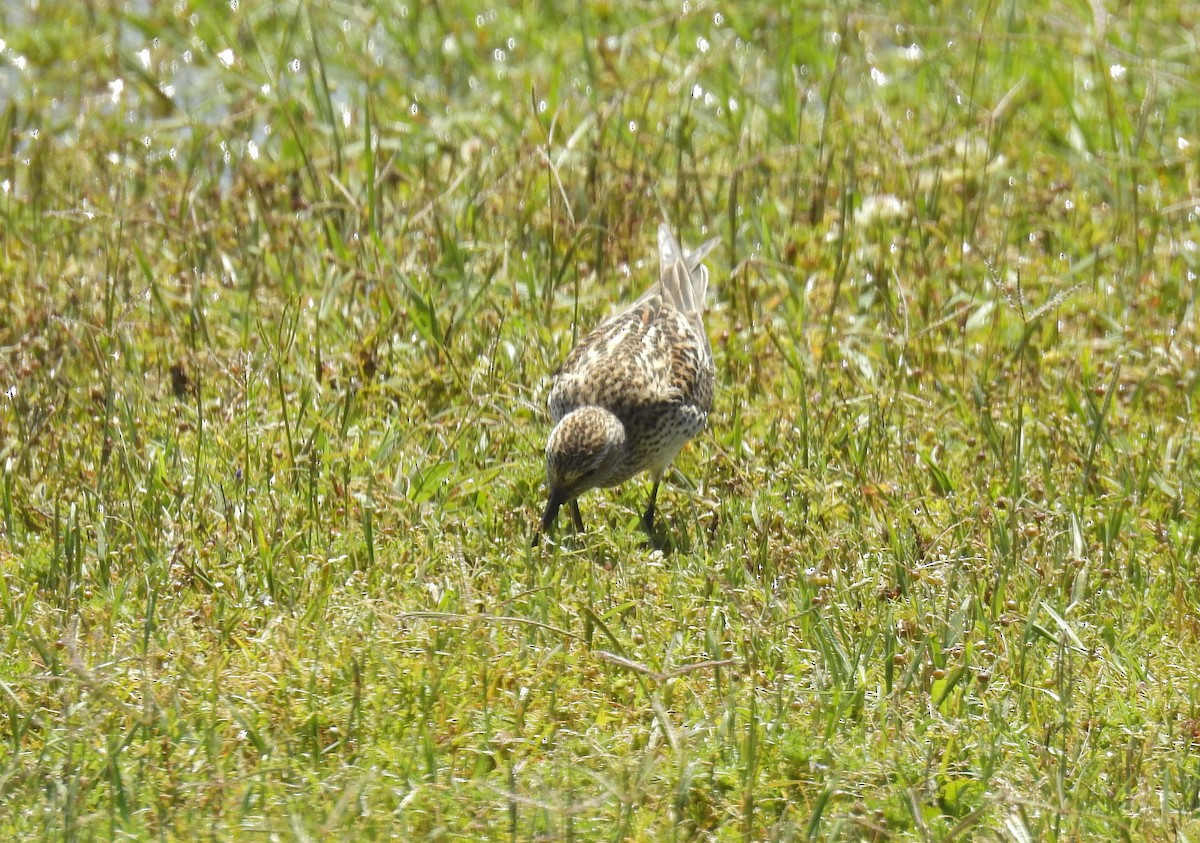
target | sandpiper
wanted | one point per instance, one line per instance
(635, 389)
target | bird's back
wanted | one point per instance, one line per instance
(651, 358)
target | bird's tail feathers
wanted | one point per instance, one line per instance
(683, 277)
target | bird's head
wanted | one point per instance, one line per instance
(585, 450)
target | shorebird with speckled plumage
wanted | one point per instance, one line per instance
(635, 389)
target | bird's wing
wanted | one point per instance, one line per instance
(645, 353)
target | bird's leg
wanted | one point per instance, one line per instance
(575, 514)
(648, 515)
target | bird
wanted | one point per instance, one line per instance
(633, 392)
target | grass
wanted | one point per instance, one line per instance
(284, 286)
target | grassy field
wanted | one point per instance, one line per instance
(282, 289)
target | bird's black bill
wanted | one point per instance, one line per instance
(551, 513)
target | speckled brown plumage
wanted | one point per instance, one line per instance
(635, 389)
